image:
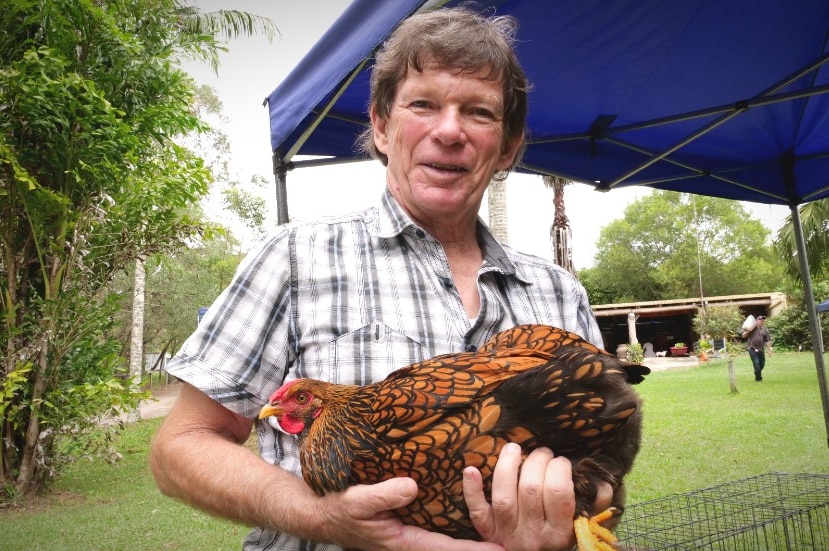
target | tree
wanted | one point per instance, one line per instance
(229, 202)
(718, 322)
(666, 239)
(814, 218)
(180, 283)
(201, 29)
(560, 232)
(91, 180)
(790, 329)
(497, 202)
(598, 290)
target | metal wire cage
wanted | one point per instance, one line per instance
(769, 512)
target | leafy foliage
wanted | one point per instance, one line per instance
(635, 352)
(666, 239)
(90, 102)
(790, 328)
(229, 201)
(814, 218)
(177, 285)
(718, 322)
(226, 23)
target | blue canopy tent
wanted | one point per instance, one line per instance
(823, 306)
(727, 99)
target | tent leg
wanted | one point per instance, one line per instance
(811, 310)
(280, 171)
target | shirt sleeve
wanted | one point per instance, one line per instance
(587, 319)
(241, 350)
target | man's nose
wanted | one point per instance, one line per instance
(449, 127)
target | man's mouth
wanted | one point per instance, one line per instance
(451, 168)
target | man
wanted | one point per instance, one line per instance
(758, 340)
(351, 299)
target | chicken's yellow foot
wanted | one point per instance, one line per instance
(592, 536)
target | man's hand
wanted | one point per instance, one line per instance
(533, 511)
(362, 517)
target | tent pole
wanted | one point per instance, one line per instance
(280, 171)
(811, 310)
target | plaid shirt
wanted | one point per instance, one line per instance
(349, 300)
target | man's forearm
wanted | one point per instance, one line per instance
(215, 472)
(229, 480)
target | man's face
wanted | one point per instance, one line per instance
(443, 138)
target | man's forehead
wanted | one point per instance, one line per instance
(490, 87)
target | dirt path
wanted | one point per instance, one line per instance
(160, 403)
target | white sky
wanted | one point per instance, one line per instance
(253, 67)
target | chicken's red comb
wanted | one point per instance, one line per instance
(281, 391)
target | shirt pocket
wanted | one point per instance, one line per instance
(370, 353)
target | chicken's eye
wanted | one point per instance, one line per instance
(301, 398)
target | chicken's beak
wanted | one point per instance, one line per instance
(270, 410)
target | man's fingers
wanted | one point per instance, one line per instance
(604, 496)
(369, 500)
(559, 499)
(505, 487)
(531, 485)
(480, 512)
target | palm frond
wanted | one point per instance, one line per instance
(208, 28)
(814, 219)
(229, 24)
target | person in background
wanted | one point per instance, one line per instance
(758, 340)
(351, 299)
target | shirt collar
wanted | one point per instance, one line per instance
(391, 220)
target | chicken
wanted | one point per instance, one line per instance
(533, 384)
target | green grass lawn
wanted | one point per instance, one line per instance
(697, 434)
(103, 507)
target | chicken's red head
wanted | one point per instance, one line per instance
(292, 407)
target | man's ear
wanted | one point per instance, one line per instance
(507, 157)
(379, 127)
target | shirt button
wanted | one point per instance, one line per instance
(420, 233)
(471, 348)
(447, 282)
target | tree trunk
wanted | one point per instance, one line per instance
(137, 332)
(497, 201)
(29, 457)
(10, 315)
(560, 232)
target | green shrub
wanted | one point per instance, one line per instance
(790, 330)
(718, 322)
(635, 353)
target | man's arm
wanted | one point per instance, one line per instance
(198, 456)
